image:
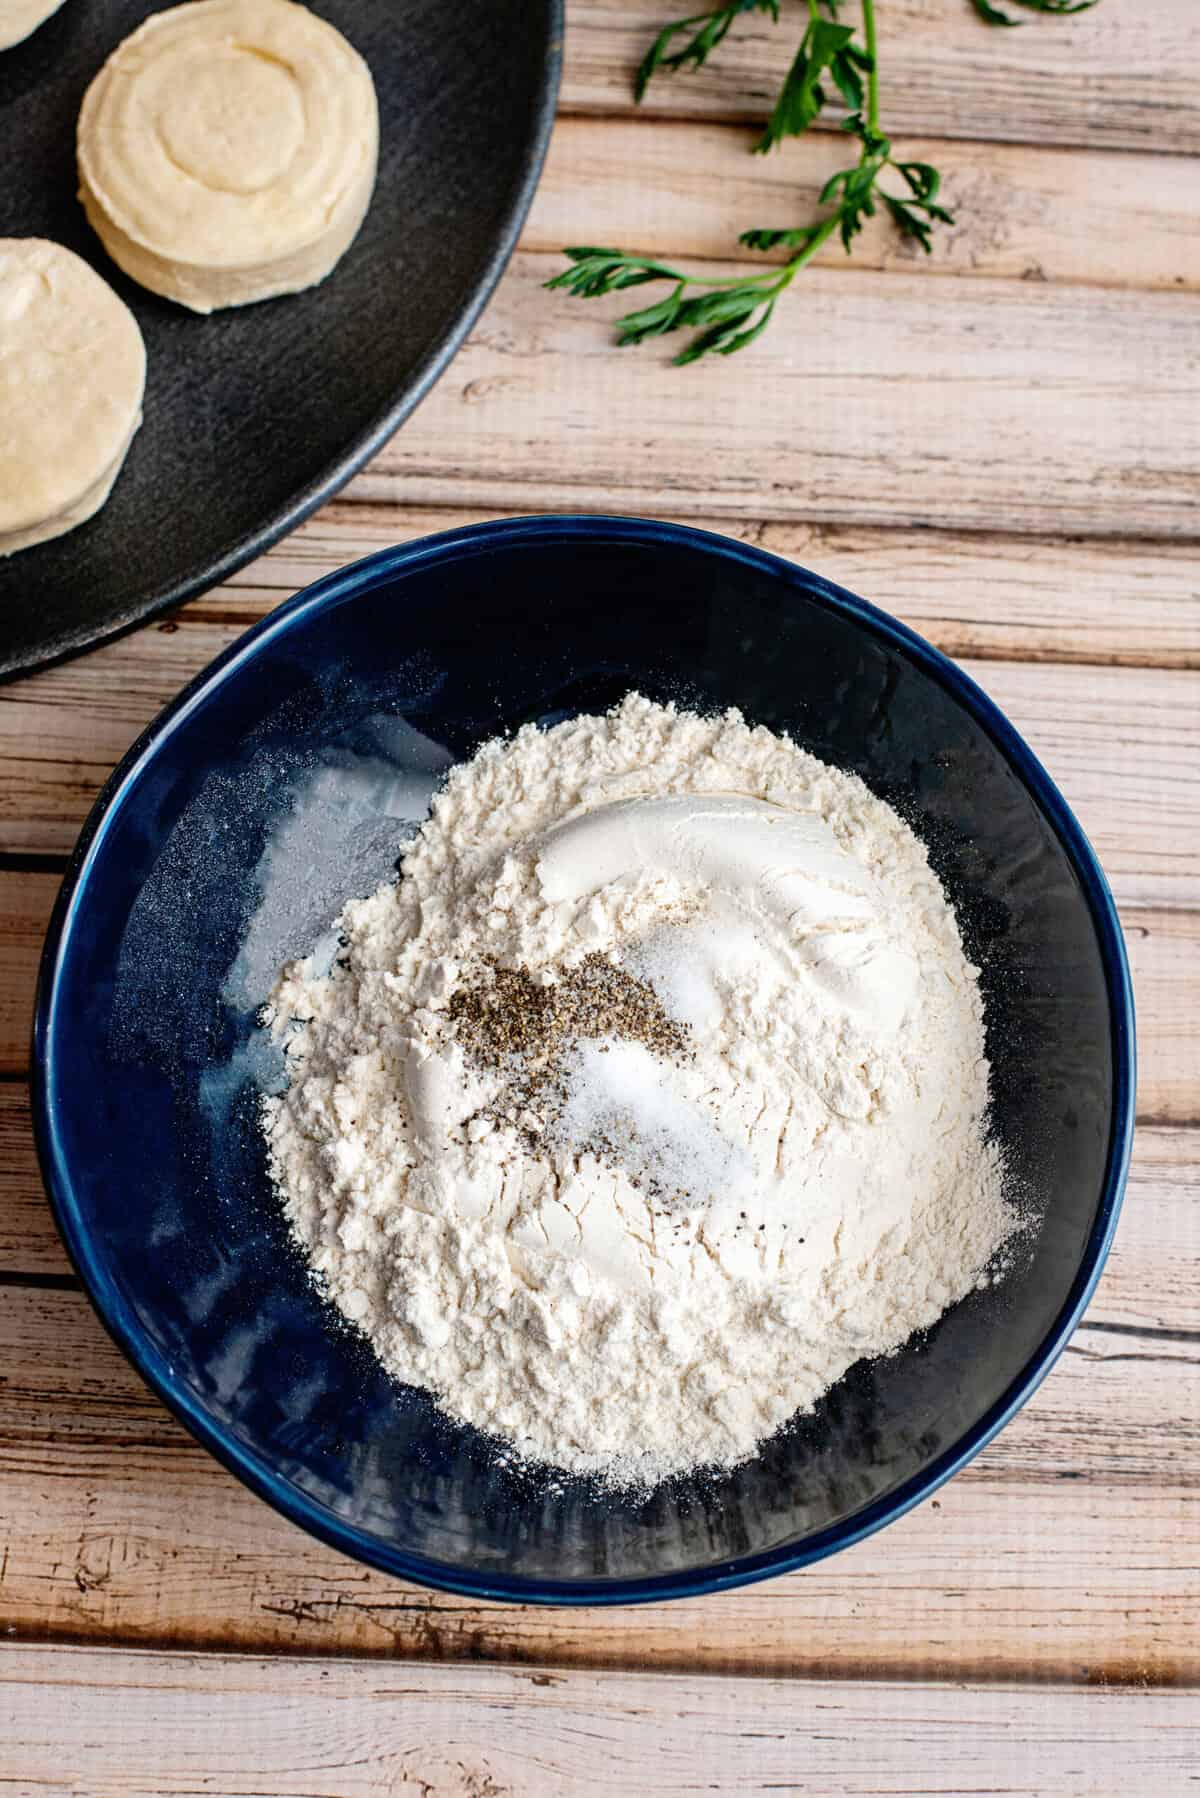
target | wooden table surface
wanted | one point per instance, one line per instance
(1001, 443)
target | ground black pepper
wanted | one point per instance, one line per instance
(512, 1014)
(509, 1022)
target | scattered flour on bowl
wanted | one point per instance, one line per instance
(650, 1098)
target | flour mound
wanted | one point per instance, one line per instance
(630, 1262)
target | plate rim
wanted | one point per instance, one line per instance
(282, 1494)
(368, 442)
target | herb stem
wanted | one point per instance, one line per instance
(820, 236)
(763, 280)
(872, 48)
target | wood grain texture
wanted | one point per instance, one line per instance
(1163, 949)
(1152, 1279)
(29, 1243)
(25, 903)
(1010, 405)
(1032, 1580)
(139, 1725)
(1123, 76)
(1110, 217)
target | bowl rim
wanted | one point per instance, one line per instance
(117, 1315)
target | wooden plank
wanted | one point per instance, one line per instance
(1014, 406)
(1163, 950)
(1152, 1280)
(1037, 1580)
(1123, 744)
(25, 903)
(1123, 76)
(1064, 1551)
(1111, 217)
(121, 1725)
(29, 1242)
(1128, 776)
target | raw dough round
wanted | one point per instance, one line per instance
(72, 373)
(227, 151)
(18, 18)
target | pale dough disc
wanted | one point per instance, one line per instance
(72, 374)
(19, 17)
(227, 151)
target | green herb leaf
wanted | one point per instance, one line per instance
(848, 78)
(595, 272)
(708, 29)
(744, 337)
(724, 339)
(1059, 8)
(915, 219)
(922, 177)
(651, 321)
(794, 238)
(802, 96)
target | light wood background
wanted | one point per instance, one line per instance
(1002, 444)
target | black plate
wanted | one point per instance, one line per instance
(256, 415)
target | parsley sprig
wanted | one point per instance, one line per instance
(725, 313)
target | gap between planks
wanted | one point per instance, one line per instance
(130, 1725)
(1114, 1677)
(1122, 76)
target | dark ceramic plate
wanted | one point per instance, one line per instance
(362, 690)
(255, 416)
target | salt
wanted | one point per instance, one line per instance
(620, 1103)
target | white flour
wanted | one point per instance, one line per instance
(831, 1188)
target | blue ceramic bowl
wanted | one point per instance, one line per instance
(145, 1041)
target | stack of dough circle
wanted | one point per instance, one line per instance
(72, 372)
(19, 17)
(227, 151)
